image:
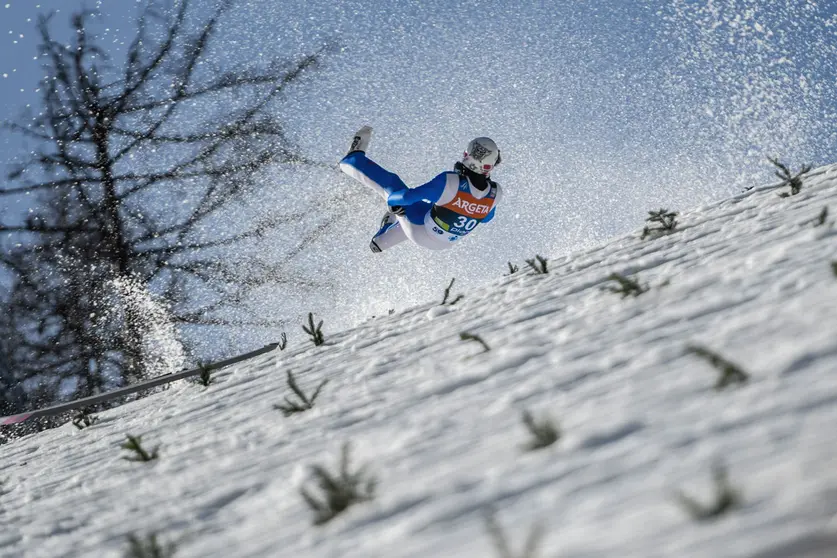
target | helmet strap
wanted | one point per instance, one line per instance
(479, 181)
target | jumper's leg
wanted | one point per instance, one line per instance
(390, 234)
(368, 172)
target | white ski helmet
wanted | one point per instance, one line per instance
(481, 156)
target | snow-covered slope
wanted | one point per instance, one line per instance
(437, 420)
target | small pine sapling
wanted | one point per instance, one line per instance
(822, 217)
(283, 341)
(627, 287)
(447, 295)
(148, 547)
(465, 336)
(726, 498)
(538, 265)
(315, 332)
(730, 373)
(205, 378)
(788, 178)
(665, 221)
(306, 403)
(544, 433)
(834, 268)
(134, 444)
(339, 491)
(84, 418)
(501, 544)
(512, 269)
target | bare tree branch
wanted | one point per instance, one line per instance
(117, 149)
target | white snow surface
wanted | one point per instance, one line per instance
(437, 419)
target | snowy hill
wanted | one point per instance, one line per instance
(438, 420)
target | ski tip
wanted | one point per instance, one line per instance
(14, 419)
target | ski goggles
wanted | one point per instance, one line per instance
(486, 168)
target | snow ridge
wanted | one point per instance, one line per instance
(437, 419)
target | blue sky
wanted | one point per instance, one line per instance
(603, 110)
(19, 68)
(581, 76)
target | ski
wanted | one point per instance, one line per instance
(133, 388)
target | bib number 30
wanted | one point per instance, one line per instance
(465, 223)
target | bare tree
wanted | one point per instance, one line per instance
(136, 165)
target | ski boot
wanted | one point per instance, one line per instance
(361, 140)
(387, 223)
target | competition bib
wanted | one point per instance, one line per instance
(462, 214)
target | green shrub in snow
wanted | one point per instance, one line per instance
(834, 268)
(726, 498)
(501, 545)
(305, 403)
(148, 547)
(626, 286)
(664, 222)
(134, 444)
(447, 295)
(538, 265)
(544, 433)
(512, 269)
(788, 178)
(730, 373)
(316, 332)
(205, 378)
(465, 336)
(283, 341)
(822, 217)
(340, 491)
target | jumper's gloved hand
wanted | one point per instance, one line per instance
(397, 209)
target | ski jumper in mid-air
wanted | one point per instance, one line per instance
(435, 215)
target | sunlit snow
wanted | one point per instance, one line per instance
(603, 111)
(437, 419)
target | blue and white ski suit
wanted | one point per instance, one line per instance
(438, 213)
